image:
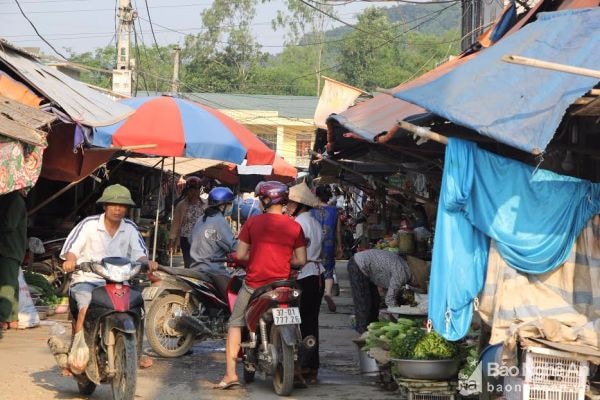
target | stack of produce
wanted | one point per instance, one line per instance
(388, 243)
(382, 334)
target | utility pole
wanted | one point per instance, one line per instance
(175, 80)
(122, 82)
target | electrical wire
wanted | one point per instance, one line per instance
(152, 29)
(137, 51)
(372, 49)
(36, 31)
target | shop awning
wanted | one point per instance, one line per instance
(518, 105)
(84, 105)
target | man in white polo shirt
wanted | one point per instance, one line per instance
(109, 234)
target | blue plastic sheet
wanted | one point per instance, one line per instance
(519, 105)
(535, 217)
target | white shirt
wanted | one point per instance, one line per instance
(313, 232)
(90, 241)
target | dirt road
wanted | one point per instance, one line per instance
(28, 371)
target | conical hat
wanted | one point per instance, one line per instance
(300, 193)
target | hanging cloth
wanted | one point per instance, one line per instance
(534, 215)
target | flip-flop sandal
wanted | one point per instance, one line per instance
(226, 385)
(330, 303)
(145, 362)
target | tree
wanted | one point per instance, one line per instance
(225, 56)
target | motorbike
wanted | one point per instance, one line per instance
(186, 304)
(113, 329)
(43, 257)
(272, 337)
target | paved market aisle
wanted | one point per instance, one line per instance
(28, 371)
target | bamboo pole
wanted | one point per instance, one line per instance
(424, 133)
(134, 147)
(532, 62)
(389, 92)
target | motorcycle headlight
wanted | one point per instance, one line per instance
(116, 273)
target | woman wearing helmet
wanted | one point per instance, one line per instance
(185, 216)
(271, 243)
(212, 236)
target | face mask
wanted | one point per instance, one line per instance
(228, 210)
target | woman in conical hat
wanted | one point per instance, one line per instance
(310, 278)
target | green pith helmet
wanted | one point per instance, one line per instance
(116, 194)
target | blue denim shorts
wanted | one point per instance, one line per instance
(82, 293)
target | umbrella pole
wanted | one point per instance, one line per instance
(172, 208)
(162, 168)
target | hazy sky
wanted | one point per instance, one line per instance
(83, 25)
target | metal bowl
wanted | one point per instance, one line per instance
(427, 369)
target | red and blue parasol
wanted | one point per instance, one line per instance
(181, 128)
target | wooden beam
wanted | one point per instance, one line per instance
(20, 132)
(25, 115)
(532, 62)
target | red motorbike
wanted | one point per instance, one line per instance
(271, 338)
(113, 329)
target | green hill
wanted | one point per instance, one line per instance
(433, 19)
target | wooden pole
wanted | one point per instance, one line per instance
(135, 147)
(424, 133)
(532, 62)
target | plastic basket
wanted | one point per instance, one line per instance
(551, 368)
(517, 389)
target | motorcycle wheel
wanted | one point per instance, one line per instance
(54, 274)
(164, 339)
(248, 375)
(126, 360)
(86, 387)
(283, 379)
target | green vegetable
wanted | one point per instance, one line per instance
(434, 347)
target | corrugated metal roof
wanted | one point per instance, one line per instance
(82, 104)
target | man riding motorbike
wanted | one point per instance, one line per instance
(108, 234)
(212, 237)
(271, 243)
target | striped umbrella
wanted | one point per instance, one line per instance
(174, 127)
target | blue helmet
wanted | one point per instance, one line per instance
(220, 195)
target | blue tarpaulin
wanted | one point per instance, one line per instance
(534, 216)
(514, 104)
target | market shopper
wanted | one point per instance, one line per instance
(108, 234)
(372, 269)
(13, 244)
(271, 243)
(310, 278)
(212, 237)
(185, 216)
(327, 216)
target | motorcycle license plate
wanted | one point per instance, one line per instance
(286, 316)
(149, 293)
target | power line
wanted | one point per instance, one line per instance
(438, 13)
(36, 31)
(96, 9)
(152, 29)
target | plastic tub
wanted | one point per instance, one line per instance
(368, 365)
(427, 369)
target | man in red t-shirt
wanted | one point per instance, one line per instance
(271, 243)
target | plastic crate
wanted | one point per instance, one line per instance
(517, 389)
(430, 396)
(552, 368)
